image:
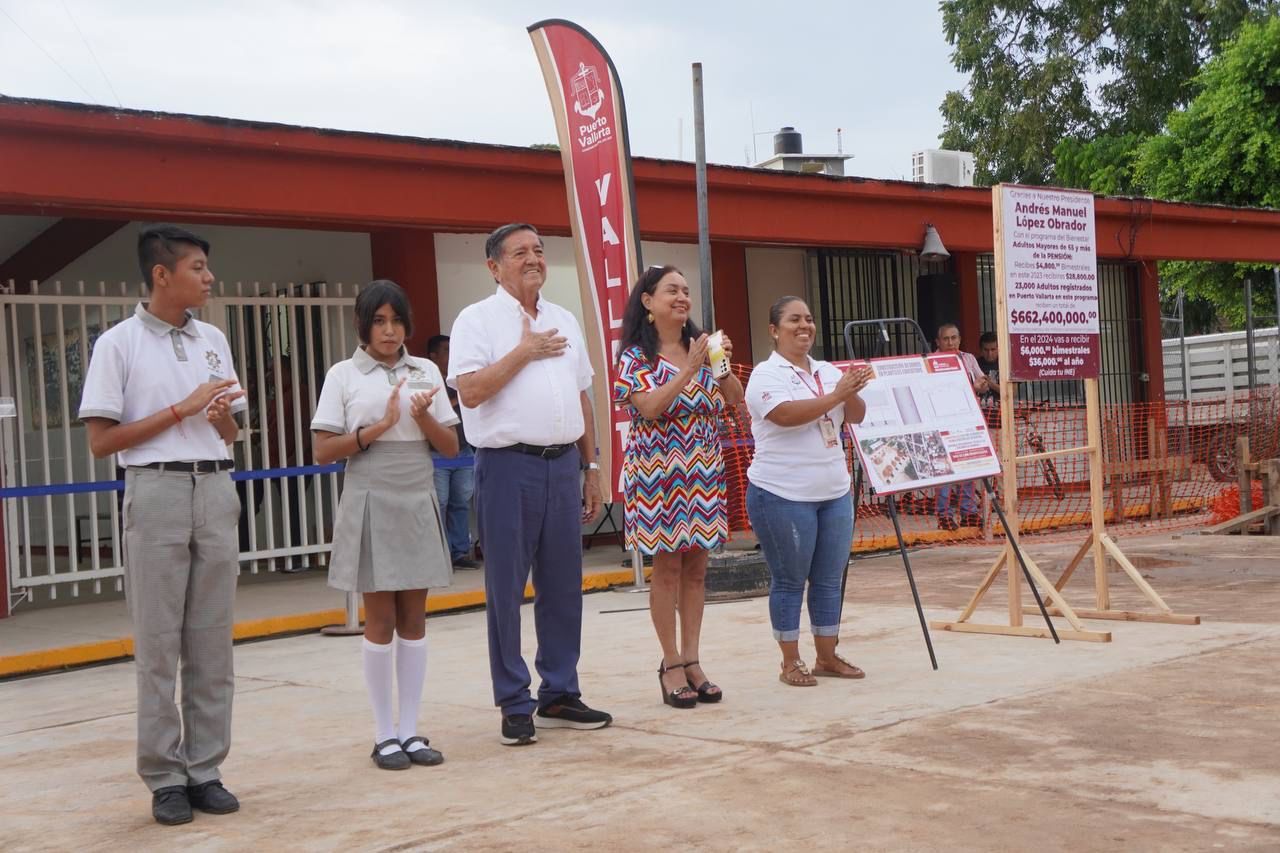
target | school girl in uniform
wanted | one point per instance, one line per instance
(382, 411)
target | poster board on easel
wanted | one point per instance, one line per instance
(923, 427)
(1048, 328)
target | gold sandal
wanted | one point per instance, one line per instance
(796, 674)
(822, 672)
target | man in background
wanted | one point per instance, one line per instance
(948, 341)
(455, 478)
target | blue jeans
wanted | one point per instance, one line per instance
(802, 541)
(968, 506)
(454, 487)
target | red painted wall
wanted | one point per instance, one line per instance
(729, 276)
(407, 256)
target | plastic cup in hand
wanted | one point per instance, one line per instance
(716, 355)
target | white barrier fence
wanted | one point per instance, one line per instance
(61, 540)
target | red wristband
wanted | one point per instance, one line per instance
(177, 417)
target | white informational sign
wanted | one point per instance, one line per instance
(923, 425)
(1051, 282)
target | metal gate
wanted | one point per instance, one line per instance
(862, 284)
(61, 506)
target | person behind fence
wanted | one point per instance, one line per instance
(160, 393)
(384, 411)
(454, 484)
(948, 341)
(673, 470)
(521, 368)
(798, 486)
(988, 387)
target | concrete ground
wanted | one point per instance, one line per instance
(1166, 738)
(266, 603)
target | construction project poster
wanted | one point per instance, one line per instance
(923, 426)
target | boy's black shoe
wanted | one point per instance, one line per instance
(212, 798)
(170, 805)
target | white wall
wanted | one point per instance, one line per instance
(464, 278)
(771, 274)
(264, 255)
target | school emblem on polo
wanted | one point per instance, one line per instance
(214, 361)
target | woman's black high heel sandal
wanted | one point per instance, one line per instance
(707, 692)
(683, 696)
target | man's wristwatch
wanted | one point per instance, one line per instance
(591, 466)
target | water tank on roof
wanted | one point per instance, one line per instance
(787, 141)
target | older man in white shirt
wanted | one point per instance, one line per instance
(521, 368)
(948, 340)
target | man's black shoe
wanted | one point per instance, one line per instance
(212, 798)
(465, 563)
(568, 712)
(170, 805)
(518, 730)
(970, 519)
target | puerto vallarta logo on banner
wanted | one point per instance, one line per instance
(586, 100)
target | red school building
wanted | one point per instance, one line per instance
(292, 212)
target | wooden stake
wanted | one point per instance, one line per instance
(1098, 517)
(1075, 561)
(1126, 616)
(987, 581)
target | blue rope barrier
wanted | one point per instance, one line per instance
(52, 489)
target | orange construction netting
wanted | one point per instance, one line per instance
(1165, 466)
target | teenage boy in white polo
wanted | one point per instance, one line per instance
(161, 394)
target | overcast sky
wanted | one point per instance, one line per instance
(467, 71)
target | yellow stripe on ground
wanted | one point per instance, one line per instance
(62, 657)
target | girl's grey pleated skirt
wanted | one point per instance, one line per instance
(387, 534)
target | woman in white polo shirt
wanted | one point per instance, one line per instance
(381, 410)
(798, 487)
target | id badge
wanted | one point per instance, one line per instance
(828, 428)
(419, 386)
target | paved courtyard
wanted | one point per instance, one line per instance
(1167, 738)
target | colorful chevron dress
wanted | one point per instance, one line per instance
(672, 468)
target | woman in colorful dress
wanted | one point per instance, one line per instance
(383, 411)
(673, 471)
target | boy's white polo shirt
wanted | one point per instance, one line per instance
(356, 391)
(794, 462)
(143, 365)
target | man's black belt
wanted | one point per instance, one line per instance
(203, 466)
(550, 451)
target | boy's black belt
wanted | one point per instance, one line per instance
(203, 466)
(549, 451)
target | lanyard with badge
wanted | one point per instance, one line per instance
(826, 426)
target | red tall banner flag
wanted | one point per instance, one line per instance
(591, 121)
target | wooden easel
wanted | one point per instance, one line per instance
(1098, 542)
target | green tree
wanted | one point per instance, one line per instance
(1224, 148)
(1099, 74)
